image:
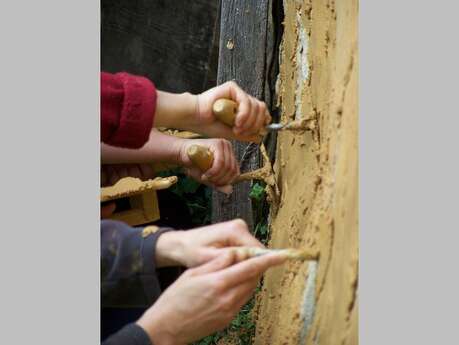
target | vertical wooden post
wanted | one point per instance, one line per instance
(242, 58)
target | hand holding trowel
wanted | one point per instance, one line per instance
(225, 110)
(202, 158)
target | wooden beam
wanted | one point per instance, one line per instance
(242, 57)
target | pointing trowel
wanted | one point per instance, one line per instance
(225, 111)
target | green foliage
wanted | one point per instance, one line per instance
(257, 192)
(196, 196)
(261, 232)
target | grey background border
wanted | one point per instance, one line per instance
(49, 248)
(49, 201)
(409, 172)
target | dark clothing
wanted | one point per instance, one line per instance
(128, 273)
(129, 335)
(128, 270)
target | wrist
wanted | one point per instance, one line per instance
(169, 249)
(176, 110)
(177, 149)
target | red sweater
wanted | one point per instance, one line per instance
(127, 108)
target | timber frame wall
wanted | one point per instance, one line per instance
(250, 32)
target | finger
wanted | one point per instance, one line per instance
(107, 210)
(217, 171)
(243, 101)
(261, 117)
(237, 233)
(222, 261)
(227, 189)
(231, 233)
(243, 114)
(248, 126)
(249, 269)
(268, 118)
(227, 173)
(220, 130)
(243, 292)
(234, 165)
(197, 175)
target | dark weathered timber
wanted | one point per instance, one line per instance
(243, 27)
(169, 41)
(273, 41)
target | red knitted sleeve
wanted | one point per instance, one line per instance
(127, 106)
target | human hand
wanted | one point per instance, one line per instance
(197, 246)
(224, 169)
(204, 299)
(251, 117)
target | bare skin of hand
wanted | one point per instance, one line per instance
(251, 117)
(194, 113)
(195, 247)
(225, 167)
(204, 299)
(169, 149)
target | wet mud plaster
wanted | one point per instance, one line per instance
(316, 171)
(129, 186)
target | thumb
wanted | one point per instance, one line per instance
(227, 189)
(197, 175)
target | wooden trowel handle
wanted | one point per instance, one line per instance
(201, 157)
(225, 111)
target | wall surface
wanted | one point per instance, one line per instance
(317, 173)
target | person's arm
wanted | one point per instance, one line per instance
(205, 299)
(131, 105)
(129, 265)
(194, 113)
(165, 148)
(128, 105)
(159, 147)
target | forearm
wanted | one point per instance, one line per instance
(159, 148)
(176, 110)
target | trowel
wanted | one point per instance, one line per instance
(225, 111)
(202, 157)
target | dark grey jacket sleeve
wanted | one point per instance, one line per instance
(128, 268)
(131, 334)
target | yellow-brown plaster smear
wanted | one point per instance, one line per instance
(129, 186)
(316, 171)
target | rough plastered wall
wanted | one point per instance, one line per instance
(317, 172)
